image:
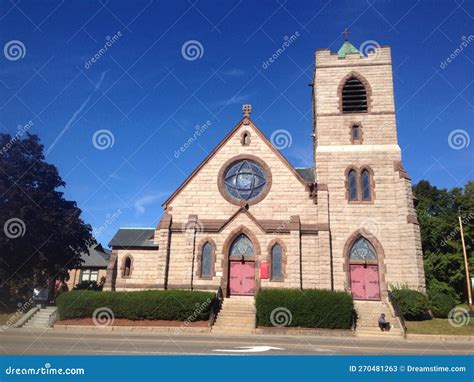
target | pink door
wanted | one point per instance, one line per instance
(365, 282)
(242, 278)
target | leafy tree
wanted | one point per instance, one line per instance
(438, 211)
(41, 233)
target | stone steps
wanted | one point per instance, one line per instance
(237, 315)
(40, 320)
(367, 322)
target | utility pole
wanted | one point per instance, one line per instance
(466, 265)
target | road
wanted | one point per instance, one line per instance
(54, 342)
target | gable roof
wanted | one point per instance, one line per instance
(97, 257)
(134, 237)
(307, 173)
(222, 143)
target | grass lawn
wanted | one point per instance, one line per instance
(14, 316)
(439, 326)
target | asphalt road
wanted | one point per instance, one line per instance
(54, 342)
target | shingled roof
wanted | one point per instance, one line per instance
(98, 257)
(307, 173)
(134, 237)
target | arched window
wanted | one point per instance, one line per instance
(362, 250)
(354, 96)
(352, 179)
(242, 247)
(206, 260)
(356, 135)
(127, 267)
(245, 139)
(365, 181)
(277, 262)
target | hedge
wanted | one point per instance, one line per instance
(143, 305)
(441, 304)
(413, 304)
(310, 308)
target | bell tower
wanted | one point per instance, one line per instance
(358, 168)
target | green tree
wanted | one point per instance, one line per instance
(438, 211)
(41, 233)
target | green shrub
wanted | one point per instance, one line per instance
(309, 308)
(143, 305)
(88, 285)
(441, 304)
(413, 304)
(434, 286)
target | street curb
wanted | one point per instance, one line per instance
(155, 329)
(305, 331)
(438, 337)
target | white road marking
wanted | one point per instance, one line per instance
(249, 349)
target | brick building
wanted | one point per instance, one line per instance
(246, 219)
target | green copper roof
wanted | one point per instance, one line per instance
(347, 47)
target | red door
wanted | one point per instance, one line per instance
(365, 282)
(242, 278)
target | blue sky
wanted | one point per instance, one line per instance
(151, 98)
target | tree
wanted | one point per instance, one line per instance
(438, 211)
(41, 233)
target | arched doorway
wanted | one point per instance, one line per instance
(364, 270)
(242, 267)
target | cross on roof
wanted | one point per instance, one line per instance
(246, 110)
(346, 33)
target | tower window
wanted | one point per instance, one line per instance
(365, 179)
(354, 96)
(353, 185)
(356, 134)
(359, 184)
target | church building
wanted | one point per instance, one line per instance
(246, 219)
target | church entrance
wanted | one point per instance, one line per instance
(364, 270)
(242, 278)
(242, 267)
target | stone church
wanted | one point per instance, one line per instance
(246, 219)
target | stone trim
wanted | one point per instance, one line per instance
(412, 219)
(338, 114)
(249, 138)
(352, 65)
(223, 190)
(140, 286)
(368, 91)
(283, 259)
(380, 259)
(122, 266)
(226, 258)
(199, 258)
(111, 273)
(398, 166)
(358, 171)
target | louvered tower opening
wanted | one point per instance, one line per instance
(354, 97)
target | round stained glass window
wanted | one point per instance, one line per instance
(244, 180)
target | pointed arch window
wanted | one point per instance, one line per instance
(206, 260)
(276, 262)
(365, 181)
(353, 189)
(127, 267)
(354, 96)
(362, 250)
(242, 247)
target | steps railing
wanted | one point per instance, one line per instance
(398, 312)
(216, 306)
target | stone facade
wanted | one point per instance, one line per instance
(312, 220)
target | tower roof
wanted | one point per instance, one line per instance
(347, 47)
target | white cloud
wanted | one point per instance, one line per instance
(140, 203)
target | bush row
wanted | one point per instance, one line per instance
(417, 306)
(142, 305)
(309, 308)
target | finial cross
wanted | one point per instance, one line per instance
(246, 110)
(346, 33)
